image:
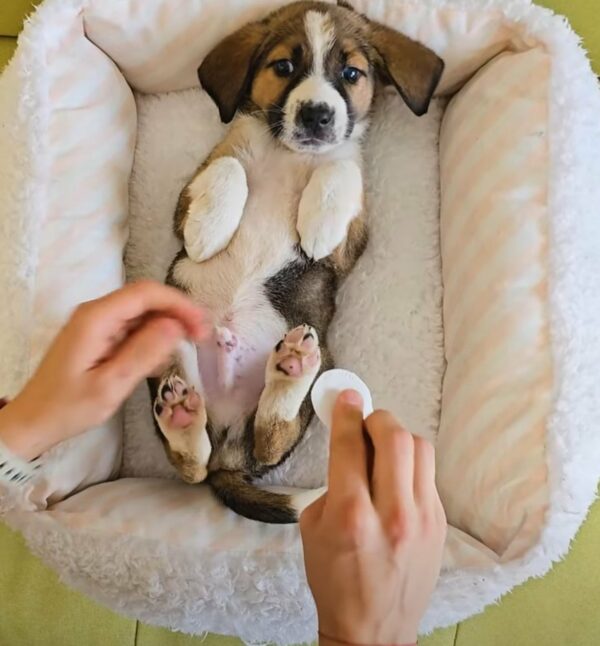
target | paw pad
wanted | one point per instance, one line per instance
(298, 352)
(176, 404)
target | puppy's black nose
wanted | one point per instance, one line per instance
(315, 117)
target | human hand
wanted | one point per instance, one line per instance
(107, 347)
(373, 543)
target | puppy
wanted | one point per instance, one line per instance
(270, 224)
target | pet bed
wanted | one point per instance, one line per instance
(506, 385)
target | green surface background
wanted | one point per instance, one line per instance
(562, 608)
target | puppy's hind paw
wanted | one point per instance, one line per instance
(297, 355)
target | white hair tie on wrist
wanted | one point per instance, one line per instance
(14, 470)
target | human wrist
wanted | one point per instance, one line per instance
(22, 432)
(327, 640)
(363, 633)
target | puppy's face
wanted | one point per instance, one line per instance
(310, 70)
(314, 82)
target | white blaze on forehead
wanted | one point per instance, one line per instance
(316, 89)
(321, 35)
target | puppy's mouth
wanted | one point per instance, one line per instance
(311, 143)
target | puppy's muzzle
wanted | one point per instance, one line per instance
(316, 121)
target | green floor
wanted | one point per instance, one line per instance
(562, 608)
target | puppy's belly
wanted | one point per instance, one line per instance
(232, 362)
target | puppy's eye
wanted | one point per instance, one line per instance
(283, 67)
(351, 74)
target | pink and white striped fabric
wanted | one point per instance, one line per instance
(492, 470)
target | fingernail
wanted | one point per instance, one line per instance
(352, 398)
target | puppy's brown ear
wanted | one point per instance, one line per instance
(411, 67)
(227, 70)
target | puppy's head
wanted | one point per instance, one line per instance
(310, 71)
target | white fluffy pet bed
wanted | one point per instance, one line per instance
(500, 365)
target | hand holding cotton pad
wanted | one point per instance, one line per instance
(327, 389)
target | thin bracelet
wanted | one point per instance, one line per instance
(344, 643)
(13, 469)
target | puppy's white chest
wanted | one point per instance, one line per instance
(276, 178)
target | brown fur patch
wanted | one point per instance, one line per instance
(356, 58)
(267, 88)
(273, 438)
(283, 50)
(410, 66)
(225, 72)
(347, 254)
(233, 488)
(182, 210)
(361, 94)
(187, 465)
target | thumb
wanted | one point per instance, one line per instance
(348, 454)
(143, 351)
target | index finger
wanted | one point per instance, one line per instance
(348, 455)
(139, 299)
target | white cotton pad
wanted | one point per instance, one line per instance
(327, 388)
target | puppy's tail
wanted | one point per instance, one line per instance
(265, 504)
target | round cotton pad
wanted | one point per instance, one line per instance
(327, 388)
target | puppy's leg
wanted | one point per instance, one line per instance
(330, 202)
(181, 417)
(211, 206)
(284, 410)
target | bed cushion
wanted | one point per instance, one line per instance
(499, 378)
(69, 247)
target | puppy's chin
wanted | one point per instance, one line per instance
(318, 148)
(306, 145)
(295, 142)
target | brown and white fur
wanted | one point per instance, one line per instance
(270, 224)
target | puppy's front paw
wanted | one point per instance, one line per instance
(319, 238)
(217, 199)
(331, 200)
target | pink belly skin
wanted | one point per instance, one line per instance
(232, 372)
